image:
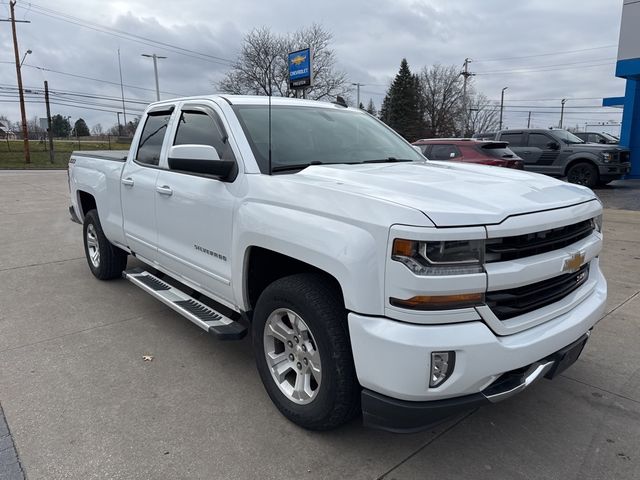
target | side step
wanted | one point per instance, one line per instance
(202, 315)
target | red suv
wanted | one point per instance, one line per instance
(485, 152)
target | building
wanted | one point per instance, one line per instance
(628, 67)
(5, 132)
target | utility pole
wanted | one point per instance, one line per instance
(529, 120)
(562, 111)
(358, 85)
(465, 75)
(23, 113)
(155, 71)
(119, 126)
(501, 106)
(49, 129)
(124, 110)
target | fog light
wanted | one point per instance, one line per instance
(442, 364)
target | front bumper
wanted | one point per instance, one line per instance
(613, 171)
(392, 358)
(386, 413)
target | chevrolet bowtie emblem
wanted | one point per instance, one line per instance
(573, 263)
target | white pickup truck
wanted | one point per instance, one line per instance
(371, 279)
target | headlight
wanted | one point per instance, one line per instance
(607, 156)
(453, 257)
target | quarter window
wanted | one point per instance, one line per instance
(199, 128)
(152, 137)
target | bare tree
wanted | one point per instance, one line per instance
(262, 67)
(441, 98)
(97, 130)
(483, 114)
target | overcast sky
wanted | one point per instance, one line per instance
(370, 38)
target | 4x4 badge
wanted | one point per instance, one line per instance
(573, 263)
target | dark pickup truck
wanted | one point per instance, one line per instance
(559, 153)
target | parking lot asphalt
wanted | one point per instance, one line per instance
(81, 403)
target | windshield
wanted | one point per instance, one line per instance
(302, 136)
(566, 137)
(609, 137)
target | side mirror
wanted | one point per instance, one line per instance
(553, 145)
(202, 159)
(602, 140)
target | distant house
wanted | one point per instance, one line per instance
(5, 132)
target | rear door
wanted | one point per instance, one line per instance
(138, 185)
(517, 143)
(194, 212)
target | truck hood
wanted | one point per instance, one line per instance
(450, 194)
(595, 147)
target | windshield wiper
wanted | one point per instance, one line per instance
(387, 160)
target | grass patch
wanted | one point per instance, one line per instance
(12, 152)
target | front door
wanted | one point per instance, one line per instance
(194, 212)
(541, 157)
(138, 187)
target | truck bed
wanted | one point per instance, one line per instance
(113, 155)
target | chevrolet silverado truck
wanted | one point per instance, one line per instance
(370, 279)
(560, 153)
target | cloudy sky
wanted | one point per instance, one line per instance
(542, 50)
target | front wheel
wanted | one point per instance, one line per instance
(583, 173)
(105, 260)
(303, 354)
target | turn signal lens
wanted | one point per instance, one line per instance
(439, 302)
(442, 365)
(404, 248)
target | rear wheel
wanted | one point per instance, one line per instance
(105, 260)
(583, 173)
(303, 354)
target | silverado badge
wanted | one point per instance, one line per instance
(573, 263)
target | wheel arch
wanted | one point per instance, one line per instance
(580, 159)
(86, 202)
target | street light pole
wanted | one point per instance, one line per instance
(502, 106)
(562, 111)
(358, 85)
(155, 71)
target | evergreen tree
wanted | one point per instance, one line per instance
(361, 106)
(401, 107)
(371, 108)
(80, 128)
(60, 126)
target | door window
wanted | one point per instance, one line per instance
(514, 139)
(444, 152)
(199, 128)
(539, 140)
(152, 137)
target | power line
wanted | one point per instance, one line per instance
(564, 64)
(58, 15)
(533, 70)
(564, 52)
(44, 69)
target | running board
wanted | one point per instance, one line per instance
(202, 315)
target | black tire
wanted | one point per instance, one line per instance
(319, 303)
(111, 260)
(583, 173)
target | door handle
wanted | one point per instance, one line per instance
(127, 181)
(164, 190)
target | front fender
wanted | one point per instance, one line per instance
(582, 156)
(353, 254)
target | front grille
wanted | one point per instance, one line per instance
(512, 302)
(520, 246)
